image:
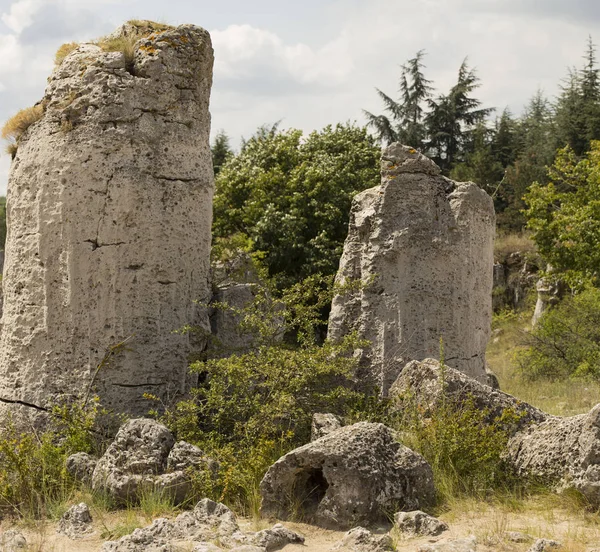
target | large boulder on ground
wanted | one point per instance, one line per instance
(352, 476)
(423, 247)
(109, 226)
(426, 384)
(144, 457)
(81, 466)
(564, 452)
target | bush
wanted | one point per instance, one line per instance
(465, 451)
(566, 341)
(32, 465)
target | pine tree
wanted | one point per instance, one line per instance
(221, 151)
(405, 120)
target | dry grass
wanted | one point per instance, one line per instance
(17, 125)
(511, 243)
(149, 26)
(64, 51)
(562, 397)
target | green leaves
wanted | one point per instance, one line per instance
(291, 196)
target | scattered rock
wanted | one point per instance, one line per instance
(275, 538)
(76, 522)
(208, 521)
(360, 539)
(423, 382)
(468, 544)
(550, 291)
(323, 424)
(545, 545)
(419, 523)
(248, 548)
(424, 246)
(349, 477)
(111, 191)
(81, 466)
(12, 541)
(144, 457)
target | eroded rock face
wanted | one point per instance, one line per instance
(561, 451)
(144, 457)
(425, 385)
(323, 424)
(109, 210)
(350, 477)
(423, 245)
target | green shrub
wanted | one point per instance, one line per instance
(464, 450)
(33, 477)
(566, 341)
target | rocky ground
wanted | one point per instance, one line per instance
(495, 528)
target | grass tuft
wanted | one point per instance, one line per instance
(64, 51)
(18, 124)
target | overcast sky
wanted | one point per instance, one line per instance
(316, 62)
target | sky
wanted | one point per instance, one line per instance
(316, 62)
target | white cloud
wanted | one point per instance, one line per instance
(21, 14)
(243, 51)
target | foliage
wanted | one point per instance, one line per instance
(64, 51)
(32, 464)
(251, 408)
(566, 341)
(564, 216)
(291, 196)
(18, 124)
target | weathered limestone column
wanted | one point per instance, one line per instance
(423, 246)
(109, 217)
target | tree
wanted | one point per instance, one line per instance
(291, 196)
(452, 119)
(535, 151)
(405, 122)
(221, 151)
(564, 216)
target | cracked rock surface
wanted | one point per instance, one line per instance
(423, 247)
(110, 208)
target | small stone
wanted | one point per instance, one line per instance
(468, 544)
(360, 539)
(76, 522)
(545, 545)
(517, 536)
(12, 541)
(323, 424)
(206, 547)
(418, 523)
(275, 538)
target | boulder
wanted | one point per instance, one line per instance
(360, 539)
(423, 247)
(418, 524)
(323, 424)
(144, 457)
(352, 476)
(426, 384)
(564, 452)
(76, 522)
(109, 236)
(81, 466)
